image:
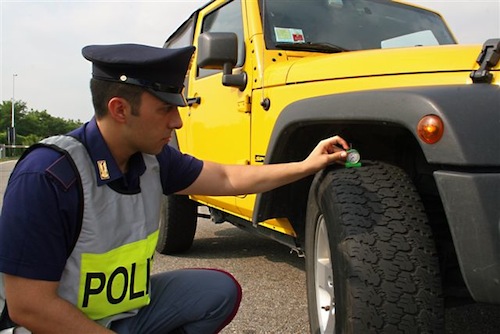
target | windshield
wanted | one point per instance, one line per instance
(343, 25)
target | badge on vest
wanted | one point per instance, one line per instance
(103, 169)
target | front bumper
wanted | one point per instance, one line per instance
(472, 206)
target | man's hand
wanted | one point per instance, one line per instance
(327, 151)
(35, 305)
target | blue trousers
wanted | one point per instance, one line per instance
(186, 301)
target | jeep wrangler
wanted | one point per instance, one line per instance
(389, 242)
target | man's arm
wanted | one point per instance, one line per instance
(217, 179)
(35, 305)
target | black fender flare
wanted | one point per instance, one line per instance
(463, 109)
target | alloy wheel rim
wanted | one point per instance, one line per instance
(323, 277)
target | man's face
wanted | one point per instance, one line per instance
(152, 127)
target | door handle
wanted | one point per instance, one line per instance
(193, 100)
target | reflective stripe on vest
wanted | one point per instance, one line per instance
(116, 281)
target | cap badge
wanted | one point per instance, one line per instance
(103, 169)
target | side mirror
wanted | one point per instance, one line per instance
(219, 51)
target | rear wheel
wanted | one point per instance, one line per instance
(371, 263)
(178, 220)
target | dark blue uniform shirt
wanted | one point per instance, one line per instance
(40, 213)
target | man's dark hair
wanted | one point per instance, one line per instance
(102, 91)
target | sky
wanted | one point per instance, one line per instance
(41, 41)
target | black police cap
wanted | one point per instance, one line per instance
(159, 71)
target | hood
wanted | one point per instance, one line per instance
(356, 64)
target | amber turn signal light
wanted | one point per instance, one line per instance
(430, 129)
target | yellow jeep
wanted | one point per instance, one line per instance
(385, 243)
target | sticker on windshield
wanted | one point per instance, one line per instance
(289, 35)
(419, 38)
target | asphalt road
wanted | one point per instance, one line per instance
(273, 280)
(5, 169)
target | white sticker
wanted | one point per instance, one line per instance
(420, 38)
(289, 35)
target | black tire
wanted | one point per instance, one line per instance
(178, 220)
(376, 270)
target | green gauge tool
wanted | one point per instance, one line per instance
(353, 158)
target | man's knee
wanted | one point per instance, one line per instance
(220, 288)
(217, 303)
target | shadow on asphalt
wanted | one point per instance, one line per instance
(229, 242)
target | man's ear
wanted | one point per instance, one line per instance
(118, 109)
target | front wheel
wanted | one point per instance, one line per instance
(178, 220)
(371, 263)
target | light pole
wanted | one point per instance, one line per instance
(13, 126)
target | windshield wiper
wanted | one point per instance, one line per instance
(309, 46)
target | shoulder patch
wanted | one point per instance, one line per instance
(63, 171)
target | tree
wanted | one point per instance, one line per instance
(6, 112)
(31, 125)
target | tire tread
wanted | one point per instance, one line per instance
(392, 270)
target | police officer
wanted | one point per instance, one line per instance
(80, 217)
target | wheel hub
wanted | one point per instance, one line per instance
(323, 273)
